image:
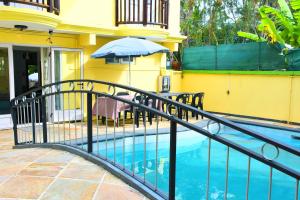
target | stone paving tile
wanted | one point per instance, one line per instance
(111, 179)
(57, 157)
(42, 169)
(3, 178)
(23, 155)
(38, 173)
(11, 169)
(116, 192)
(70, 189)
(80, 160)
(24, 187)
(83, 171)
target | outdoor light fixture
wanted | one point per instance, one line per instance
(21, 27)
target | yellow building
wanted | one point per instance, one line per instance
(43, 41)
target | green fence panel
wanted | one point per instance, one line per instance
(200, 58)
(238, 56)
(293, 60)
(271, 58)
(245, 56)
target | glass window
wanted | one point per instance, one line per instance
(124, 60)
(4, 82)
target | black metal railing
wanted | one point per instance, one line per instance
(65, 114)
(52, 6)
(145, 12)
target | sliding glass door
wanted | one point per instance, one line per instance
(67, 64)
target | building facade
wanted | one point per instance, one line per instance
(44, 41)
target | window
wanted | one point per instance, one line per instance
(4, 82)
(124, 60)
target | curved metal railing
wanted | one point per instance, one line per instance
(51, 114)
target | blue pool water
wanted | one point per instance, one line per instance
(191, 165)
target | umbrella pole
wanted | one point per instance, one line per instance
(129, 72)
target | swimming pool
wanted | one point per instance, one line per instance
(191, 165)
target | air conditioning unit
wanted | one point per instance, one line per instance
(164, 83)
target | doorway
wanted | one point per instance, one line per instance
(27, 69)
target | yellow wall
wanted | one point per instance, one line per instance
(266, 96)
(174, 16)
(35, 38)
(94, 13)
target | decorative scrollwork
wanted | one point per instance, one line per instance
(134, 98)
(211, 122)
(16, 102)
(57, 88)
(24, 98)
(114, 90)
(72, 86)
(45, 91)
(33, 95)
(169, 108)
(90, 86)
(263, 152)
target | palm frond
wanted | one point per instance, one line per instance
(250, 36)
(278, 17)
(284, 7)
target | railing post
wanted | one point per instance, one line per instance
(50, 6)
(44, 119)
(167, 14)
(145, 12)
(15, 123)
(117, 12)
(57, 6)
(172, 170)
(33, 120)
(89, 123)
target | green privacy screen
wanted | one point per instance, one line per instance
(246, 56)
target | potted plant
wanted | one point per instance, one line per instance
(175, 63)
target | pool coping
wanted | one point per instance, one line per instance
(266, 125)
(130, 180)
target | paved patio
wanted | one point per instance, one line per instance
(53, 174)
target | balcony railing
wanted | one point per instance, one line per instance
(52, 6)
(145, 12)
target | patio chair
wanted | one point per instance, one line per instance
(152, 103)
(197, 102)
(183, 98)
(138, 111)
(124, 93)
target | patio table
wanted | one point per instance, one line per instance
(113, 107)
(170, 95)
(174, 94)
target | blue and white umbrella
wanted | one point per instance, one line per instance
(129, 47)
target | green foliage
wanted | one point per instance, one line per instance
(280, 25)
(212, 22)
(251, 36)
